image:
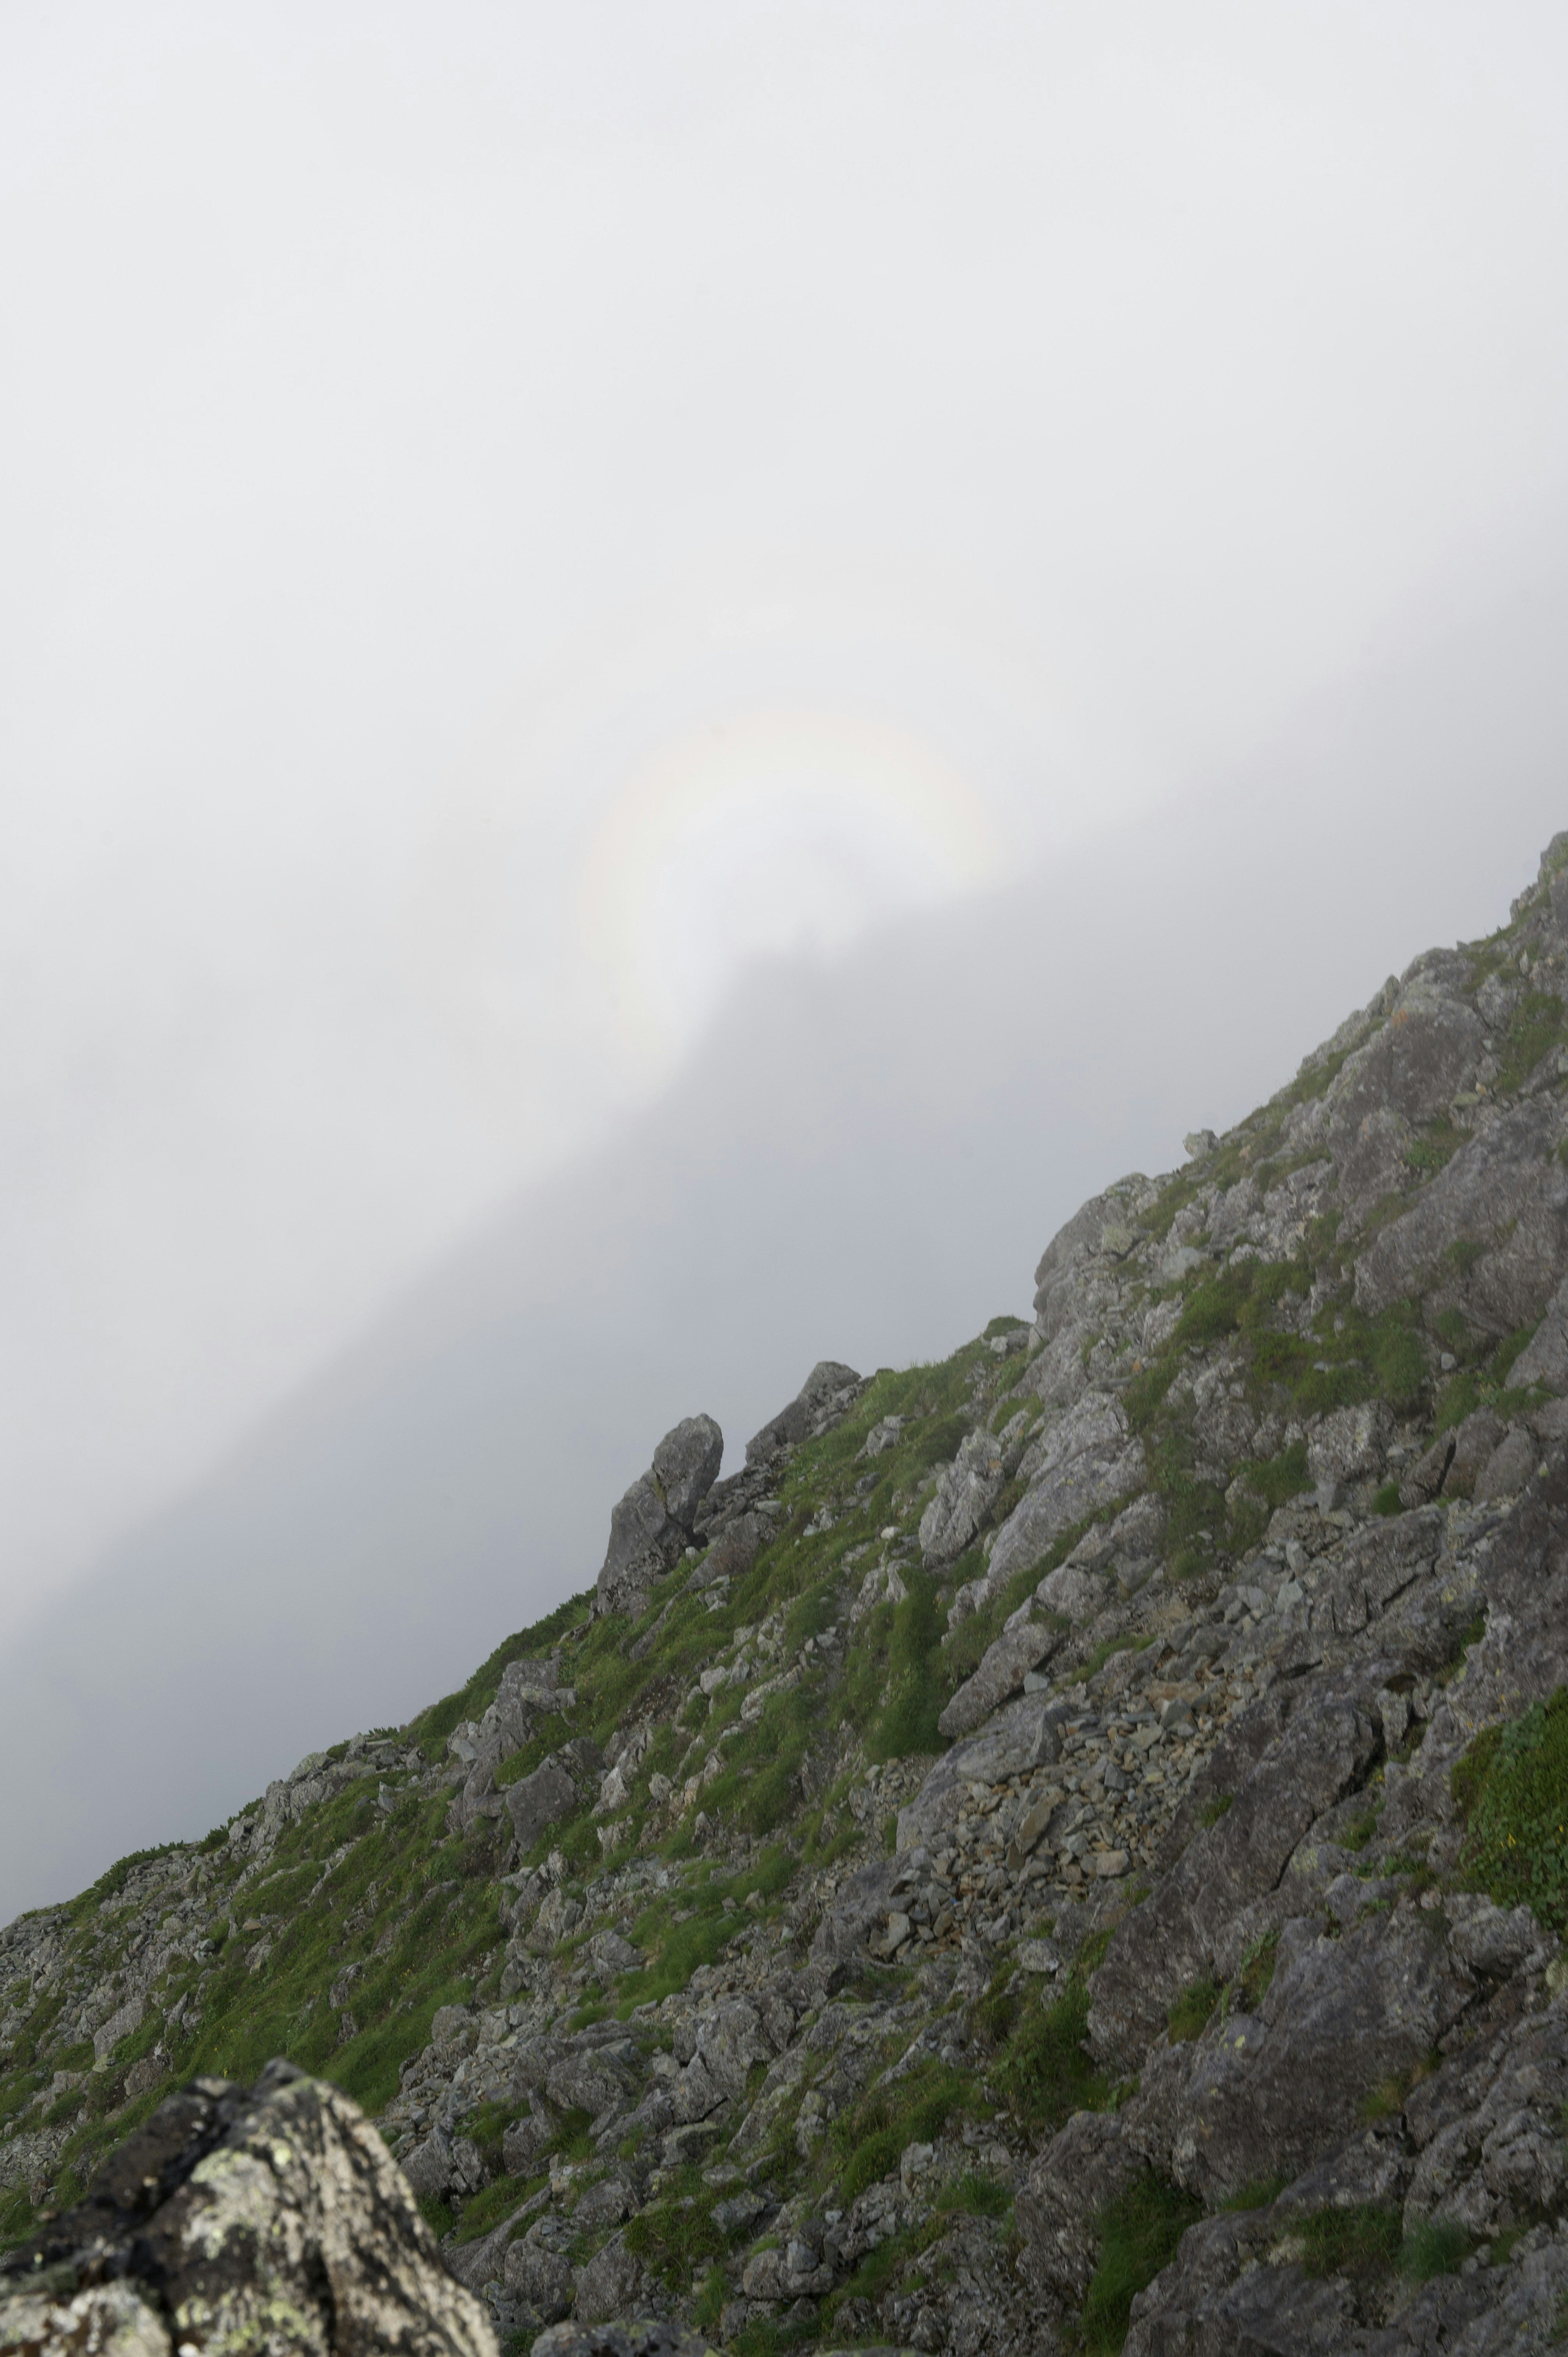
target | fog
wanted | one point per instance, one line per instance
(668, 677)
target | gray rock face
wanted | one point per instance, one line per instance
(1003, 1669)
(646, 2337)
(1544, 1359)
(610, 2285)
(230, 2212)
(964, 1496)
(655, 1522)
(1351, 1444)
(821, 1402)
(1409, 1070)
(537, 1802)
(1264, 2094)
(1506, 1195)
(1296, 1754)
(1086, 1459)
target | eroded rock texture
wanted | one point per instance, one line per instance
(268, 2219)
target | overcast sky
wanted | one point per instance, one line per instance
(509, 515)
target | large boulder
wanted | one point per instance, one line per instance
(655, 1521)
(821, 1402)
(268, 2218)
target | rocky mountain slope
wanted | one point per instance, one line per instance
(1067, 1849)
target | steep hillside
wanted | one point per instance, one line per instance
(1066, 1849)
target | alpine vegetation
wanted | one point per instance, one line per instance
(1067, 1849)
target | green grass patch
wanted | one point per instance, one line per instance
(1258, 2194)
(1191, 2013)
(1437, 2246)
(1511, 1788)
(977, 2196)
(918, 1677)
(1043, 2073)
(1256, 1975)
(1219, 1806)
(673, 2239)
(1359, 1830)
(1362, 2239)
(868, 2141)
(1140, 2232)
(495, 2204)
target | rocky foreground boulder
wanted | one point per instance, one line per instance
(1066, 1849)
(268, 2218)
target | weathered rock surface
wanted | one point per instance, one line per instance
(656, 1520)
(272, 2219)
(821, 1402)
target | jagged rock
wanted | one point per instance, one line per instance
(1474, 1444)
(1410, 1070)
(119, 2025)
(610, 2285)
(964, 1496)
(1544, 1359)
(1083, 1461)
(656, 1520)
(1504, 1193)
(542, 2276)
(1263, 2093)
(734, 1551)
(1350, 1445)
(1508, 1466)
(536, 1803)
(1080, 2171)
(820, 1404)
(1290, 1760)
(1003, 1668)
(272, 2218)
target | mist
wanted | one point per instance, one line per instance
(863, 1159)
(668, 678)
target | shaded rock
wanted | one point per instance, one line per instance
(730, 2039)
(1474, 1444)
(119, 2025)
(1350, 1445)
(1408, 1072)
(734, 1551)
(1003, 1669)
(1544, 1359)
(1081, 2169)
(536, 1803)
(654, 1521)
(821, 1402)
(1508, 1466)
(1022, 1736)
(1262, 2094)
(610, 2285)
(647, 2337)
(1292, 1756)
(540, 2275)
(1074, 1591)
(241, 2209)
